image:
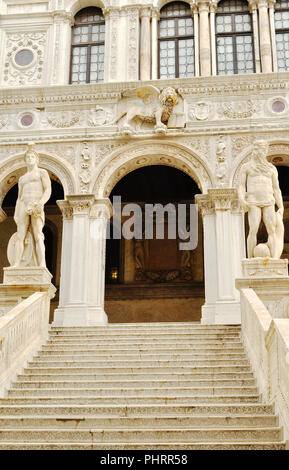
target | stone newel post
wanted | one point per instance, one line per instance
(83, 261)
(224, 248)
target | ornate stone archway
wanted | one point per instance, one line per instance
(133, 156)
(14, 167)
(278, 155)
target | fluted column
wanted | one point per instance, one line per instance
(265, 36)
(145, 44)
(224, 248)
(205, 46)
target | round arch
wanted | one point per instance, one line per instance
(131, 157)
(278, 154)
(14, 167)
(75, 6)
(162, 3)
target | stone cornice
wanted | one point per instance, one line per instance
(198, 86)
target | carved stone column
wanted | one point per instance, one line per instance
(213, 9)
(265, 36)
(195, 15)
(273, 37)
(111, 48)
(145, 44)
(205, 46)
(155, 19)
(66, 248)
(224, 248)
(100, 213)
(78, 305)
(253, 10)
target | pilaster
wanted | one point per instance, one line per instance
(205, 40)
(265, 36)
(224, 247)
(145, 44)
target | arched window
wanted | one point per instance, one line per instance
(87, 50)
(176, 41)
(282, 34)
(234, 38)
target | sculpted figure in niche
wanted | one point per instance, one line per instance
(34, 189)
(259, 193)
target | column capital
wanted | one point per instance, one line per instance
(101, 209)
(205, 205)
(81, 203)
(66, 209)
(224, 198)
(63, 16)
(218, 199)
(155, 13)
(203, 5)
(145, 12)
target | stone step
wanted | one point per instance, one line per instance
(184, 356)
(182, 334)
(135, 392)
(136, 348)
(141, 342)
(143, 435)
(173, 325)
(57, 384)
(113, 328)
(123, 400)
(219, 375)
(144, 410)
(145, 446)
(159, 370)
(53, 362)
(104, 422)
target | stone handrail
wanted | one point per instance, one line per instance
(267, 344)
(22, 331)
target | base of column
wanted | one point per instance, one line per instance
(221, 313)
(79, 315)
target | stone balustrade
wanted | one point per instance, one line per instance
(267, 343)
(22, 331)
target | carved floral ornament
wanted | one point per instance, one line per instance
(132, 157)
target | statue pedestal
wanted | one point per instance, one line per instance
(269, 278)
(32, 275)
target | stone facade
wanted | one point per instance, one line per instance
(209, 136)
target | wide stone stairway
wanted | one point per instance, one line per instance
(139, 386)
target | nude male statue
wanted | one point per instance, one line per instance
(259, 192)
(34, 190)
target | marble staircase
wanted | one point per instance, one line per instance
(139, 386)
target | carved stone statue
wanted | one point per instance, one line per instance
(26, 246)
(148, 105)
(259, 192)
